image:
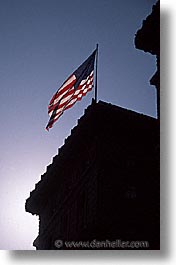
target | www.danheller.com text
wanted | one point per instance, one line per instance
(95, 244)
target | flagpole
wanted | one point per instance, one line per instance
(96, 74)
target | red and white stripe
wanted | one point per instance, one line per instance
(68, 95)
(64, 91)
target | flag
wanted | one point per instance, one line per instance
(73, 89)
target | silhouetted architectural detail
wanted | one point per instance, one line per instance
(148, 40)
(104, 182)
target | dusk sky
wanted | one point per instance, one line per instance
(41, 43)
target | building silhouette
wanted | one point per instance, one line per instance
(148, 40)
(104, 183)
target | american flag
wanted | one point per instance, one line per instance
(73, 89)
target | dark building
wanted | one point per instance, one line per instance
(148, 40)
(104, 182)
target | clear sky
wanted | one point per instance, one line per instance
(41, 43)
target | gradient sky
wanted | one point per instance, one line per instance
(41, 43)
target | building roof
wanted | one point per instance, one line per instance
(98, 117)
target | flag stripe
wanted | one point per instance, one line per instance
(73, 94)
(76, 95)
(72, 90)
(71, 100)
(63, 101)
(62, 91)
